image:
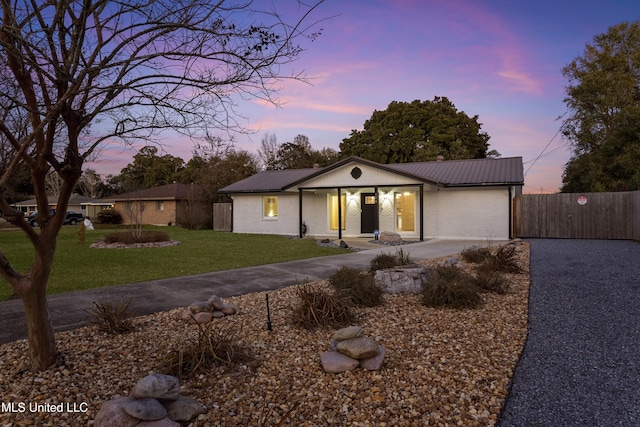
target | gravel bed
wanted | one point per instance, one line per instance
(443, 367)
(580, 365)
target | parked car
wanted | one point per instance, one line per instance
(71, 218)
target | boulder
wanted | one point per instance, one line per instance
(228, 309)
(184, 409)
(112, 414)
(390, 237)
(157, 386)
(217, 314)
(335, 362)
(401, 280)
(374, 363)
(358, 348)
(347, 333)
(146, 409)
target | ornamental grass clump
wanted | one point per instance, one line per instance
(475, 254)
(451, 287)
(492, 281)
(383, 261)
(504, 260)
(112, 318)
(319, 308)
(359, 287)
(213, 348)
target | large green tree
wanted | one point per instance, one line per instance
(418, 131)
(148, 170)
(78, 76)
(603, 125)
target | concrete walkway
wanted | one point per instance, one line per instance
(67, 310)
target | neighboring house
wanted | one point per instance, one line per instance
(164, 205)
(456, 199)
(77, 203)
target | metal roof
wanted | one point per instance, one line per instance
(174, 191)
(448, 173)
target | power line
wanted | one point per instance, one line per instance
(546, 146)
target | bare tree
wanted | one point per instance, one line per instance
(91, 72)
(268, 151)
(91, 184)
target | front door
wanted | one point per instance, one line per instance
(369, 212)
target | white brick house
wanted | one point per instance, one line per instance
(457, 199)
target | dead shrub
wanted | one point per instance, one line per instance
(112, 318)
(504, 260)
(492, 281)
(475, 254)
(128, 238)
(318, 308)
(451, 287)
(214, 347)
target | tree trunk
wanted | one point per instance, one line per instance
(40, 335)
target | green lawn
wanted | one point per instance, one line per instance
(79, 267)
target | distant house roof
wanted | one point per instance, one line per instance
(173, 191)
(75, 199)
(449, 173)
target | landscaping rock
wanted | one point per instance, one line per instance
(112, 414)
(344, 244)
(390, 237)
(203, 317)
(184, 408)
(401, 280)
(228, 309)
(217, 314)
(335, 363)
(147, 409)
(347, 333)
(199, 307)
(374, 363)
(358, 348)
(157, 386)
(215, 302)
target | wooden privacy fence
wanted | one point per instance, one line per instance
(222, 217)
(578, 215)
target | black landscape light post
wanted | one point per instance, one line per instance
(269, 328)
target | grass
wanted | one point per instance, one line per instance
(77, 267)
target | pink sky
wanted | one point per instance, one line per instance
(500, 60)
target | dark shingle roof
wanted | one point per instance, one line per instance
(173, 191)
(451, 173)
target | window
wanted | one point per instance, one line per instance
(405, 211)
(270, 206)
(159, 205)
(333, 211)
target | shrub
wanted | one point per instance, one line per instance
(403, 258)
(108, 216)
(451, 287)
(146, 236)
(492, 281)
(475, 254)
(212, 348)
(113, 319)
(503, 260)
(382, 261)
(318, 308)
(359, 287)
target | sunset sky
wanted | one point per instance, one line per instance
(498, 59)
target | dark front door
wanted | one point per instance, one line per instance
(369, 212)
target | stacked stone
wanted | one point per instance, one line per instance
(350, 349)
(204, 311)
(155, 401)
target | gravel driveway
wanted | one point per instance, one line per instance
(581, 362)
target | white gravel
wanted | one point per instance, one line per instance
(443, 367)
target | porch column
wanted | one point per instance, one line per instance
(421, 212)
(300, 213)
(339, 213)
(375, 190)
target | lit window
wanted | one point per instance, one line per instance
(270, 206)
(333, 211)
(405, 211)
(159, 205)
